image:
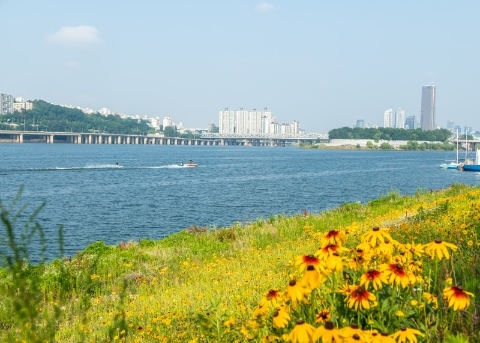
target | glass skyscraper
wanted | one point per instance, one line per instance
(427, 111)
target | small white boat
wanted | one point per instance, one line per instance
(452, 165)
(189, 164)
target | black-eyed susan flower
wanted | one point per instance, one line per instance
(274, 297)
(229, 322)
(376, 236)
(329, 250)
(360, 298)
(397, 274)
(280, 318)
(307, 260)
(386, 248)
(347, 289)
(302, 333)
(353, 333)
(438, 248)
(415, 249)
(334, 263)
(431, 299)
(271, 338)
(376, 277)
(296, 292)
(334, 237)
(261, 310)
(323, 316)
(457, 297)
(311, 278)
(328, 334)
(405, 335)
(382, 338)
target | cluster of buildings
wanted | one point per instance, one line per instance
(9, 104)
(398, 120)
(254, 122)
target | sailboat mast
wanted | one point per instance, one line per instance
(466, 144)
(457, 147)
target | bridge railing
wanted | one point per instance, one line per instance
(264, 136)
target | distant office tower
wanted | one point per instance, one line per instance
(410, 123)
(450, 125)
(226, 121)
(388, 118)
(427, 113)
(360, 123)
(400, 119)
(6, 104)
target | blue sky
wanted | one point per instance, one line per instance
(322, 63)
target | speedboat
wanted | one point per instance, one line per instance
(190, 165)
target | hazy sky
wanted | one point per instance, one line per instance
(322, 63)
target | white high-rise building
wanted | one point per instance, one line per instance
(6, 103)
(226, 121)
(255, 121)
(242, 119)
(388, 118)
(167, 121)
(400, 119)
(427, 110)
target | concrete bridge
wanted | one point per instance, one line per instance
(8, 136)
(95, 138)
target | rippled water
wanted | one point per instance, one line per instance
(150, 196)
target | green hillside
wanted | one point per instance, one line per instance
(48, 117)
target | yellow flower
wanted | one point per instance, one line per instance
(399, 314)
(414, 303)
(229, 322)
(457, 297)
(353, 333)
(359, 298)
(302, 333)
(334, 237)
(334, 263)
(375, 235)
(406, 335)
(307, 260)
(312, 278)
(296, 292)
(280, 318)
(329, 250)
(323, 316)
(437, 248)
(260, 311)
(273, 296)
(375, 277)
(397, 274)
(382, 338)
(431, 299)
(327, 333)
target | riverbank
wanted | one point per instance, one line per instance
(204, 285)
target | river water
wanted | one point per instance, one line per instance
(150, 196)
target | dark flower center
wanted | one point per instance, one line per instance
(399, 266)
(292, 283)
(329, 325)
(336, 254)
(403, 329)
(384, 334)
(354, 326)
(300, 322)
(438, 241)
(356, 337)
(276, 313)
(376, 228)
(310, 268)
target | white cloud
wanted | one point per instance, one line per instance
(264, 7)
(75, 35)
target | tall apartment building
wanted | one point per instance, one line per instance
(360, 123)
(6, 103)
(427, 111)
(226, 121)
(253, 122)
(388, 118)
(400, 119)
(242, 121)
(167, 121)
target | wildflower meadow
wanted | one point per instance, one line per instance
(400, 268)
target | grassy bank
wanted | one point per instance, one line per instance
(276, 279)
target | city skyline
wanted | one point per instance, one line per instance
(324, 64)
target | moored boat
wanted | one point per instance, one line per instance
(474, 166)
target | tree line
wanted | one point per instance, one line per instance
(389, 134)
(49, 117)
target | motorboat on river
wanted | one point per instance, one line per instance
(189, 164)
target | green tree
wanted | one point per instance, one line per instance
(169, 131)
